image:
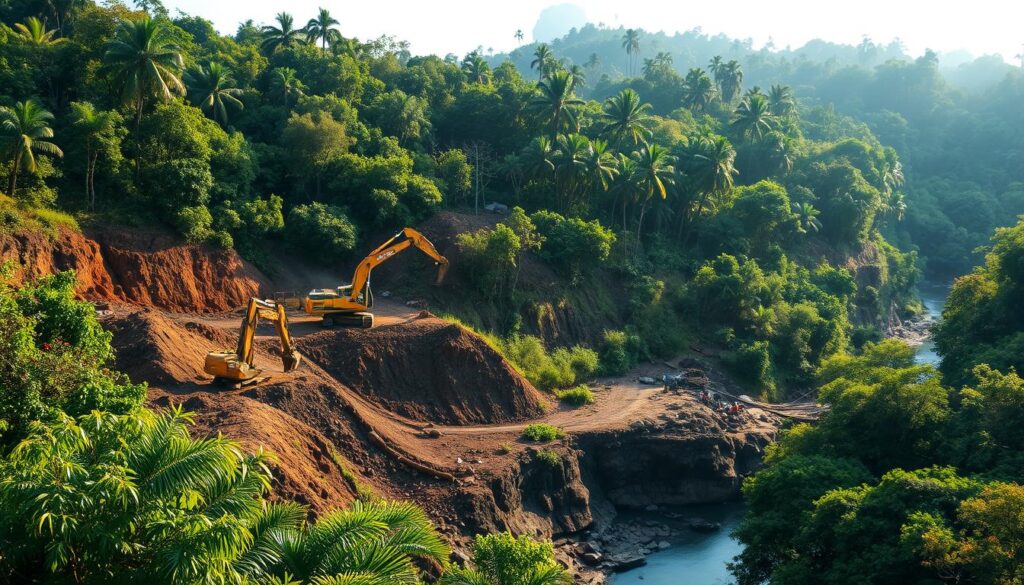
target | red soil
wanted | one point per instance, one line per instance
(428, 370)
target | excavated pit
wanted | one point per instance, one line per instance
(428, 370)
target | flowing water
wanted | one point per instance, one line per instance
(933, 296)
(694, 558)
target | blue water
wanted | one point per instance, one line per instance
(933, 297)
(695, 558)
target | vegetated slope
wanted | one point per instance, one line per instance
(146, 269)
(306, 467)
(426, 369)
(151, 347)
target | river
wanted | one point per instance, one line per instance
(700, 559)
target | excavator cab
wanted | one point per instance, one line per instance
(237, 365)
(347, 305)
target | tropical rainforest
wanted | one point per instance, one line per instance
(778, 205)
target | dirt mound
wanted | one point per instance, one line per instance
(150, 269)
(154, 348)
(427, 369)
(307, 467)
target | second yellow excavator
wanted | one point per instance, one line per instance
(347, 305)
(237, 365)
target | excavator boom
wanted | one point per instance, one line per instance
(239, 365)
(348, 304)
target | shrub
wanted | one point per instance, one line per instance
(619, 353)
(195, 223)
(549, 458)
(575, 245)
(506, 559)
(542, 432)
(752, 364)
(576, 396)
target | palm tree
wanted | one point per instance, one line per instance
(625, 116)
(33, 31)
(698, 90)
(732, 80)
(654, 172)
(753, 119)
(542, 57)
(579, 78)
(213, 90)
(570, 158)
(323, 28)
(145, 62)
(476, 69)
(538, 158)
(367, 543)
(592, 61)
(91, 124)
(709, 165)
(24, 130)
(342, 46)
(780, 101)
(601, 166)
(556, 101)
(807, 217)
(285, 83)
(717, 68)
(282, 36)
(519, 35)
(631, 43)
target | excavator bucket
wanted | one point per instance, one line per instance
(442, 270)
(291, 360)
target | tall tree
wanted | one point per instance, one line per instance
(145, 62)
(631, 43)
(286, 84)
(709, 165)
(213, 89)
(25, 130)
(323, 28)
(698, 90)
(579, 77)
(282, 36)
(96, 130)
(753, 119)
(519, 35)
(781, 102)
(654, 173)
(717, 68)
(542, 57)
(33, 31)
(624, 117)
(476, 68)
(731, 81)
(556, 102)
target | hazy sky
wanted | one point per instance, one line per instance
(458, 26)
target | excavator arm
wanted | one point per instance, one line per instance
(404, 239)
(238, 365)
(347, 305)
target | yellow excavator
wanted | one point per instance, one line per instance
(236, 366)
(347, 305)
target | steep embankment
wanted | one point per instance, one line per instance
(427, 369)
(146, 269)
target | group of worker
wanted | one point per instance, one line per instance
(711, 400)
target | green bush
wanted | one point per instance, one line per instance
(547, 371)
(620, 352)
(575, 245)
(542, 432)
(576, 396)
(549, 458)
(322, 231)
(503, 559)
(195, 223)
(54, 354)
(751, 362)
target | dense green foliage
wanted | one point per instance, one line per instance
(577, 395)
(903, 480)
(54, 357)
(502, 559)
(542, 432)
(983, 322)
